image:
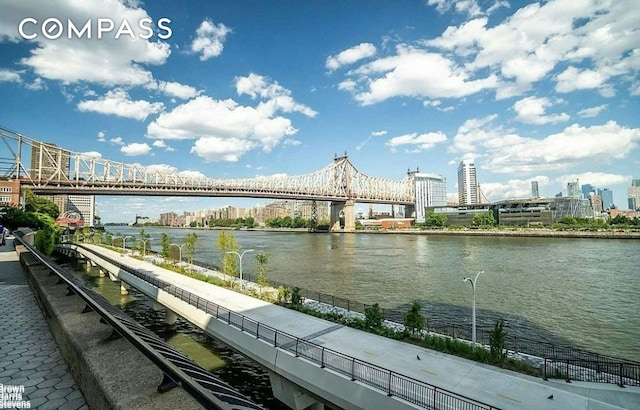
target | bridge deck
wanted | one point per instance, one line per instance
(500, 388)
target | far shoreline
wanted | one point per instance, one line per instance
(521, 232)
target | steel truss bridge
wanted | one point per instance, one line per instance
(55, 170)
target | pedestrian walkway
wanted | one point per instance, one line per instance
(32, 369)
(500, 388)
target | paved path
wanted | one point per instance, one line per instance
(29, 355)
(500, 388)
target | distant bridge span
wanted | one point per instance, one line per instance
(55, 170)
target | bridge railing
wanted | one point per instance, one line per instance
(393, 384)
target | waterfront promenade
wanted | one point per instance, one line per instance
(497, 387)
(29, 356)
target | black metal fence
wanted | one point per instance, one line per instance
(390, 382)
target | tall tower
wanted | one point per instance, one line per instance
(607, 198)
(535, 193)
(573, 189)
(467, 183)
(431, 190)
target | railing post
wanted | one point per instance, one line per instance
(389, 388)
(322, 359)
(567, 370)
(544, 377)
(258, 330)
(242, 324)
(297, 340)
(275, 338)
(353, 369)
(229, 318)
(621, 382)
(435, 391)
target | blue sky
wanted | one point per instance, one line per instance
(545, 91)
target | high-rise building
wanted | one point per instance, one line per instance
(573, 189)
(85, 205)
(587, 190)
(607, 198)
(596, 203)
(431, 190)
(633, 194)
(46, 158)
(467, 183)
(535, 193)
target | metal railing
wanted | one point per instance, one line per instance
(207, 389)
(392, 383)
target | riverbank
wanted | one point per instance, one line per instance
(523, 232)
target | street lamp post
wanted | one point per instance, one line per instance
(473, 282)
(124, 243)
(144, 246)
(240, 255)
(179, 247)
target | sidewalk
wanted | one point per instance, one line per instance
(29, 357)
(501, 388)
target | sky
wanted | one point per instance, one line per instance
(546, 91)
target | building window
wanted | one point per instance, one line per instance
(5, 199)
(5, 189)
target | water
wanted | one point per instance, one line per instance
(579, 291)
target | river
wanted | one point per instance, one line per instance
(585, 292)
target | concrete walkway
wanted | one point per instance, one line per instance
(501, 388)
(29, 357)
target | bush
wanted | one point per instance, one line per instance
(413, 320)
(373, 317)
(296, 298)
(497, 339)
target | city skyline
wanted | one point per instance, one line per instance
(534, 91)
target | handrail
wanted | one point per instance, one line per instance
(180, 369)
(392, 383)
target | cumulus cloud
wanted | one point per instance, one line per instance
(174, 89)
(592, 111)
(107, 61)
(102, 136)
(117, 102)
(226, 130)
(351, 56)
(117, 141)
(209, 41)
(9, 76)
(596, 178)
(91, 154)
(468, 7)
(135, 149)
(512, 188)
(531, 110)
(416, 142)
(414, 72)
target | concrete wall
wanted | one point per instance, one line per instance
(111, 374)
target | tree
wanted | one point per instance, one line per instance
(165, 243)
(373, 317)
(34, 203)
(413, 320)
(434, 219)
(483, 219)
(261, 278)
(226, 242)
(497, 339)
(190, 248)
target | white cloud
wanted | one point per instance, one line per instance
(292, 142)
(135, 149)
(163, 145)
(531, 110)
(350, 56)
(277, 98)
(36, 85)
(117, 102)
(91, 154)
(107, 61)
(209, 39)
(9, 76)
(117, 141)
(173, 89)
(415, 142)
(574, 145)
(416, 73)
(378, 133)
(512, 189)
(573, 79)
(469, 7)
(221, 149)
(102, 136)
(592, 111)
(226, 122)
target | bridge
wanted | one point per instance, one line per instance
(56, 170)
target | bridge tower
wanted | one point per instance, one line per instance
(343, 216)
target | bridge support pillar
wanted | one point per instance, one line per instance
(410, 211)
(101, 273)
(292, 395)
(343, 216)
(124, 289)
(155, 305)
(170, 319)
(113, 277)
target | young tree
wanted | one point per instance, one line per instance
(483, 218)
(190, 248)
(497, 340)
(413, 320)
(226, 242)
(261, 278)
(373, 317)
(434, 219)
(165, 244)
